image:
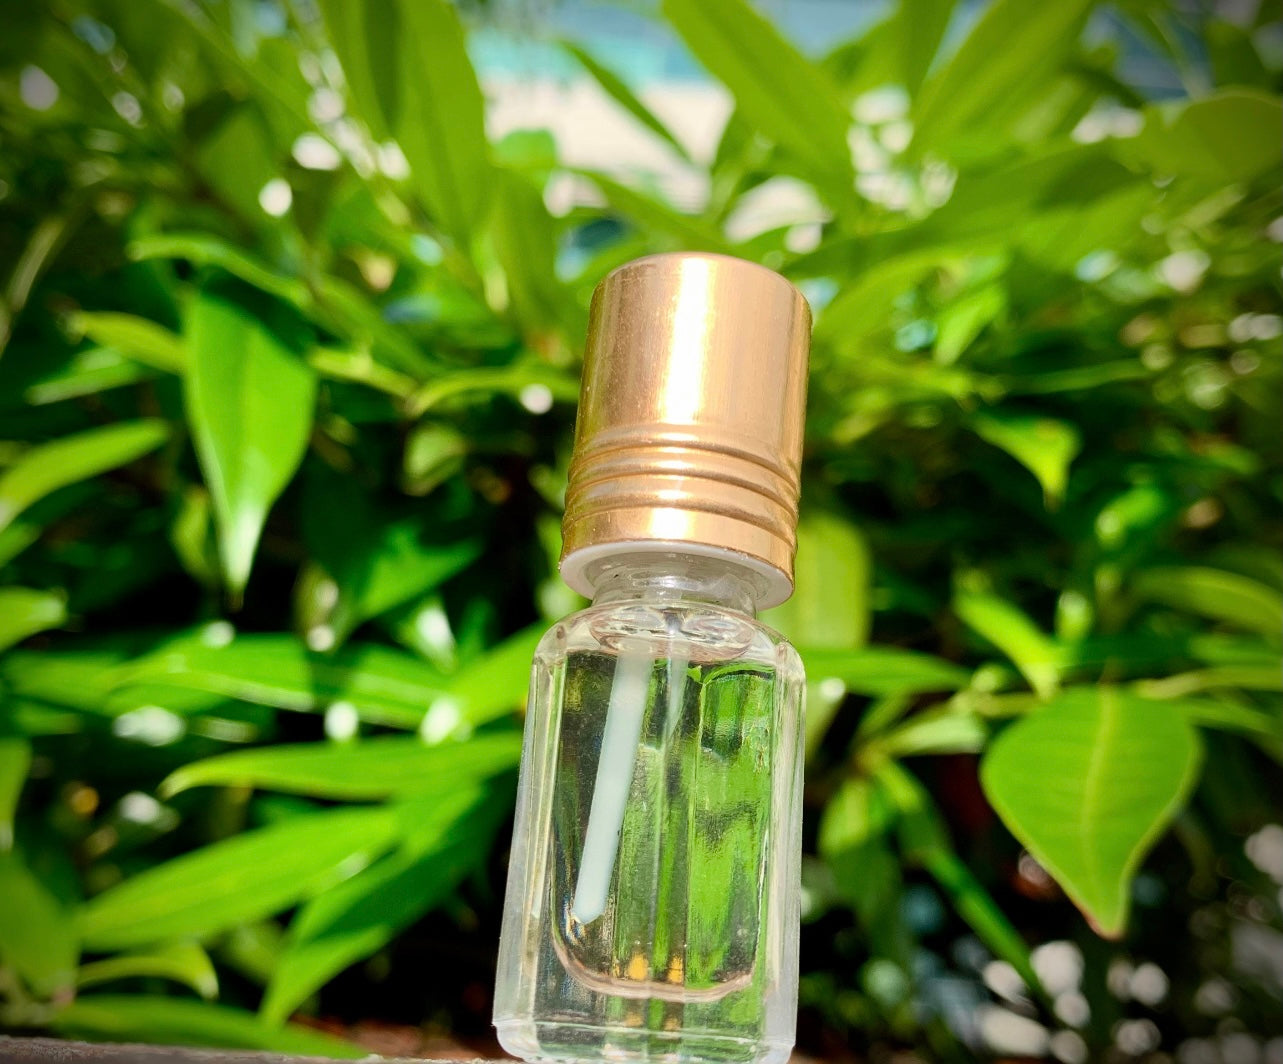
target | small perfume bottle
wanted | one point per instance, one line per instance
(652, 904)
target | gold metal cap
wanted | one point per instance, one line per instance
(689, 436)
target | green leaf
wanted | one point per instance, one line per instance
(851, 841)
(201, 249)
(173, 1021)
(249, 398)
(524, 237)
(411, 80)
(25, 611)
(376, 562)
(237, 880)
(944, 733)
(829, 607)
(918, 29)
(1043, 445)
(1087, 784)
(380, 767)
(89, 372)
(1222, 596)
(1009, 628)
(1247, 677)
(779, 91)
(180, 962)
(142, 340)
(15, 761)
(614, 87)
(37, 939)
(77, 679)
(881, 670)
(1013, 41)
(925, 841)
(50, 466)
(650, 212)
(360, 915)
(384, 686)
(1230, 136)
(486, 688)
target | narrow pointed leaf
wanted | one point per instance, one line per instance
(1042, 445)
(1223, 596)
(779, 91)
(372, 768)
(1010, 629)
(180, 962)
(882, 670)
(175, 1021)
(37, 938)
(50, 466)
(15, 761)
(142, 340)
(1012, 41)
(237, 880)
(360, 915)
(1087, 784)
(615, 87)
(250, 399)
(25, 611)
(408, 70)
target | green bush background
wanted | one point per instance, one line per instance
(279, 503)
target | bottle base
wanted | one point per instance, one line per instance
(564, 1042)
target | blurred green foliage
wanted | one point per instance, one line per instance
(289, 363)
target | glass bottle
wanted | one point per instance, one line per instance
(653, 890)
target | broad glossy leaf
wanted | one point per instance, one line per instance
(236, 880)
(882, 670)
(15, 760)
(411, 80)
(25, 611)
(1043, 445)
(37, 938)
(358, 916)
(1012, 41)
(142, 340)
(175, 1021)
(249, 398)
(50, 466)
(385, 686)
(1232, 135)
(1010, 629)
(180, 962)
(830, 602)
(615, 87)
(370, 768)
(1215, 593)
(779, 92)
(1087, 784)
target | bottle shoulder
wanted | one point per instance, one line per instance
(696, 629)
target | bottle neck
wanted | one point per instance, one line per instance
(674, 578)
